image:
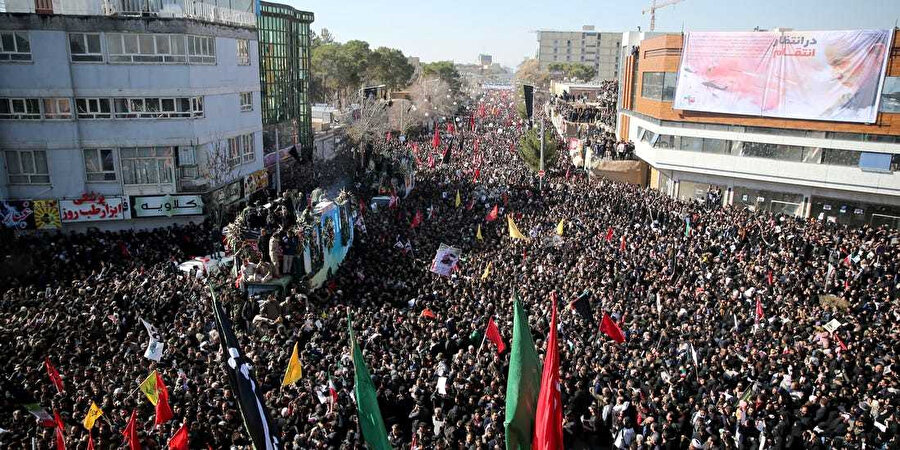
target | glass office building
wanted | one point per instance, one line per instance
(284, 42)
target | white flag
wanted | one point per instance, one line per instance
(155, 347)
(694, 355)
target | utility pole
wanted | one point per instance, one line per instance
(277, 165)
(541, 173)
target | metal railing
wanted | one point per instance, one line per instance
(187, 9)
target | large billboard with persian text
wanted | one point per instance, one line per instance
(816, 75)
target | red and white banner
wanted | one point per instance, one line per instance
(815, 75)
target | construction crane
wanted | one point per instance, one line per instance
(654, 5)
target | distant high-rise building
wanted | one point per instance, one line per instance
(596, 49)
(284, 42)
(484, 61)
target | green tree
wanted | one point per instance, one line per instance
(390, 67)
(446, 71)
(530, 148)
(574, 70)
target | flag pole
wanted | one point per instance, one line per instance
(483, 338)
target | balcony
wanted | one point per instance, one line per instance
(186, 9)
(206, 11)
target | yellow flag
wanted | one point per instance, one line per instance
(148, 387)
(487, 272)
(559, 228)
(294, 370)
(92, 415)
(513, 229)
(458, 199)
(478, 234)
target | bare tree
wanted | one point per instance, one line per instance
(433, 99)
(367, 123)
(219, 170)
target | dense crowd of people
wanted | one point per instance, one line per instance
(729, 317)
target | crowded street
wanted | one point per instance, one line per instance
(742, 329)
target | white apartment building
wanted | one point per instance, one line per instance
(121, 120)
(599, 50)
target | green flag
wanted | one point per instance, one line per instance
(366, 401)
(523, 384)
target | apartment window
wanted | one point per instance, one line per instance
(158, 108)
(240, 150)
(201, 49)
(141, 48)
(669, 80)
(93, 108)
(20, 108)
(246, 101)
(659, 86)
(890, 95)
(57, 108)
(248, 154)
(840, 157)
(146, 165)
(99, 164)
(85, 47)
(652, 85)
(243, 52)
(27, 167)
(15, 46)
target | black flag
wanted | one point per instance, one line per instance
(582, 306)
(260, 427)
(529, 100)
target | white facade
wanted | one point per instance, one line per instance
(599, 50)
(126, 107)
(806, 173)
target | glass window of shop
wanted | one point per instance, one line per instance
(774, 202)
(853, 213)
(690, 190)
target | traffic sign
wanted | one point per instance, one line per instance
(541, 173)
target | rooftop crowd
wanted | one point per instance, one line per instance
(724, 310)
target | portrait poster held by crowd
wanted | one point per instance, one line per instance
(587, 314)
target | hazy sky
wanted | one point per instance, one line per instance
(461, 29)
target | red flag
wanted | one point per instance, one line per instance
(622, 245)
(417, 219)
(60, 439)
(450, 128)
(839, 341)
(429, 314)
(431, 161)
(568, 173)
(362, 206)
(493, 334)
(492, 216)
(54, 375)
(180, 440)
(769, 277)
(481, 112)
(472, 122)
(548, 416)
(90, 441)
(609, 328)
(394, 201)
(237, 281)
(163, 411)
(609, 234)
(436, 140)
(759, 310)
(388, 136)
(131, 432)
(477, 174)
